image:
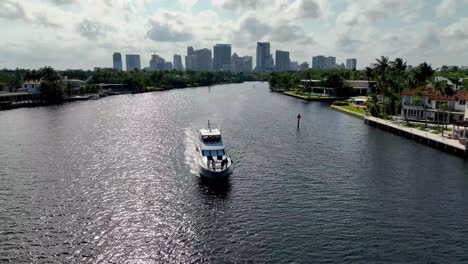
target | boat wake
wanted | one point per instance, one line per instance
(190, 152)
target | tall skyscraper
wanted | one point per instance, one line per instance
(177, 63)
(318, 62)
(190, 62)
(190, 51)
(241, 64)
(351, 64)
(282, 61)
(157, 63)
(117, 61)
(322, 62)
(222, 57)
(304, 66)
(263, 56)
(167, 66)
(330, 62)
(203, 60)
(133, 62)
(294, 66)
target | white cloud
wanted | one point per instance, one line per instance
(346, 28)
(457, 31)
(447, 8)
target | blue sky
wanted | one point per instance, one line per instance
(84, 33)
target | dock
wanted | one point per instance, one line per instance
(436, 141)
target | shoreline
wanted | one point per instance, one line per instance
(315, 98)
(348, 112)
(89, 97)
(427, 138)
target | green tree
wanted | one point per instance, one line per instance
(51, 86)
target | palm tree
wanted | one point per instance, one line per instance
(381, 69)
(423, 73)
(399, 66)
(445, 90)
(444, 69)
(456, 82)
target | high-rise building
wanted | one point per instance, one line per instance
(351, 64)
(263, 56)
(294, 66)
(133, 62)
(282, 61)
(167, 66)
(157, 63)
(241, 64)
(304, 66)
(322, 62)
(117, 61)
(190, 62)
(177, 62)
(203, 60)
(221, 57)
(330, 62)
(190, 51)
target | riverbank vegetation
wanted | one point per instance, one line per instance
(54, 88)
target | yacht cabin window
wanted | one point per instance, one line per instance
(213, 153)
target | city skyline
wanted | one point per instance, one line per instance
(221, 58)
(81, 33)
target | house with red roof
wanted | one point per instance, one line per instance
(426, 104)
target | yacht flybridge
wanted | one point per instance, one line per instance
(212, 159)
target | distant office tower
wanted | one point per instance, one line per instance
(133, 62)
(322, 62)
(190, 62)
(351, 64)
(304, 66)
(263, 56)
(222, 57)
(203, 60)
(330, 62)
(177, 63)
(270, 63)
(241, 64)
(157, 63)
(294, 66)
(190, 51)
(318, 62)
(282, 61)
(117, 61)
(167, 66)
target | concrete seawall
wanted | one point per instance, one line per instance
(448, 145)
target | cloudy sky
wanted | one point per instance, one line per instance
(84, 33)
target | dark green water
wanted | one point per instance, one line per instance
(113, 181)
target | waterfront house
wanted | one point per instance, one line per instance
(30, 86)
(317, 88)
(426, 104)
(74, 86)
(361, 87)
(358, 87)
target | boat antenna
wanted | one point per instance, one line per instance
(209, 127)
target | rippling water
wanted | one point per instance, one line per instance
(114, 181)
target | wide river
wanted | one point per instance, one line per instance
(114, 181)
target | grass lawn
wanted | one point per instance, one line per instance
(353, 108)
(306, 96)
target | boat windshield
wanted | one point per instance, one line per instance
(211, 138)
(213, 153)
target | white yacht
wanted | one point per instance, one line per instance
(212, 159)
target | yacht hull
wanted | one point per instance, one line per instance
(215, 175)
